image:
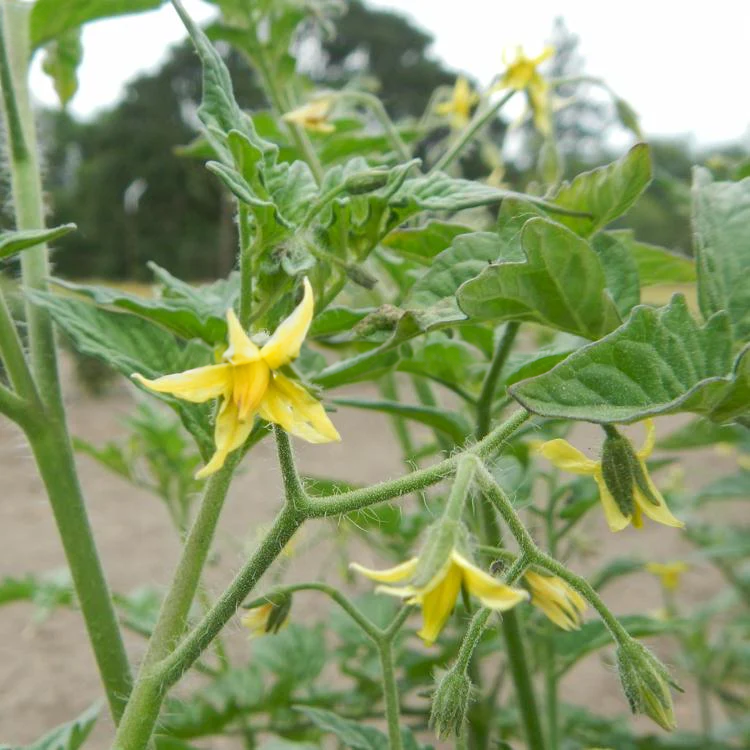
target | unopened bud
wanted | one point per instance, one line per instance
(450, 702)
(268, 615)
(646, 682)
(361, 277)
(623, 472)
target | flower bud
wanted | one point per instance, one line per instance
(268, 615)
(450, 702)
(361, 277)
(646, 682)
(623, 473)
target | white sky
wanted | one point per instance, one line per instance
(682, 66)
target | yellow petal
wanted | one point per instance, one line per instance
(391, 575)
(312, 116)
(658, 512)
(249, 385)
(241, 350)
(563, 455)
(230, 433)
(289, 405)
(491, 592)
(648, 445)
(559, 602)
(438, 604)
(538, 93)
(286, 341)
(615, 518)
(197, 385)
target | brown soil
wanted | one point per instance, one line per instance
(48, 675)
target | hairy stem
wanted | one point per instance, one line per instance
(480, 119)
(390, 693)
(54, 458)
(487, 395)
(346, 502)
(44, 420)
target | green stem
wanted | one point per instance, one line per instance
(45, 424)
(586, 590)
(389, 391)
(140, 718)
(54, 458)
(521, 673)
(390, 694)
(346, 502)
(281, 106)
(487, 395)
(479, 120)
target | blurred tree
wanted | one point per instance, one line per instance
(118, 179)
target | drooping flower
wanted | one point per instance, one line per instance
(268, 617)
(437, 595)
(625, 487)
(668, 573)
(559, 602)
(249, 382)
(312, 116)
(522, 74)
(458, 107)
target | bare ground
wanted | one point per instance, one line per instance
(47, 673)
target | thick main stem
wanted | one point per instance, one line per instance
(56, 466)
(46, 428)
(140, 718)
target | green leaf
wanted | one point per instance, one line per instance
(69, 736)
(139, 609)
(61, 60)
(51, 19)
(46, 591)
(110, 455)
(528, 365)
(350, 733)
(207, 712)
(187, 311)
(620, 271)
(439, 192)
(336, 320)
(721, 219)
(452, 424)
(296, 655)
(561, 284)
(617, 568)
(131, 344)
(422, 243)
(14, 242)
(726, 488)
(606, 192)
(659, 362)
(700, 433)
(465, 259)
(657, 265)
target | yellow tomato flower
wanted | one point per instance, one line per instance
(437, 597)
(668, 573)
(645, 497)
(249, 382)
(522, 74)
(458, 107)
(256, 620)
(559, 602)
(312, 116)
